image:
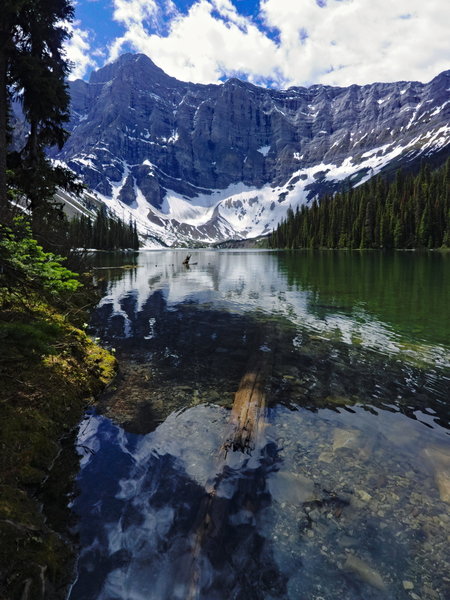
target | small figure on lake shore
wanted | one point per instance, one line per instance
(186, 260)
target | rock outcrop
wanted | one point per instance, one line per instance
(176, 152)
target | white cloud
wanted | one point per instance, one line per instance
(79, 52)
(361, 41)
(212, 39)
(340, 42)
(130, 12)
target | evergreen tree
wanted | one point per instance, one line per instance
(104, 233)
(410, 212)
(9, 27)
(33, 70)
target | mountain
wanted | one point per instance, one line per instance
(214, 162)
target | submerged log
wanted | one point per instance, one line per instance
(247, 420)
(247, 413)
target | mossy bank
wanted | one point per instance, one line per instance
(49, 371)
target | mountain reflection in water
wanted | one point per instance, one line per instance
(346, 494)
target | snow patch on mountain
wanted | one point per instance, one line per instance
(241, 211)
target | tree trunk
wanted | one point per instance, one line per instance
(31, 161)
(3, 129)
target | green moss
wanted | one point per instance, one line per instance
(28, 340)
(49, 372)
(28, 548)
(101, 362)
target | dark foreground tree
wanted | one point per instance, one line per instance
(8, 28)
(33, 70)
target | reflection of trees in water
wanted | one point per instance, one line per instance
(190, 346)
(406, 290)
(207, 349)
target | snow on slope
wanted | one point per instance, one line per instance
(241, 211)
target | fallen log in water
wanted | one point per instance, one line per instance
(247, 420)
(115, 267)
(247, 413)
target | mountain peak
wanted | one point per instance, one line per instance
(130, 61)
(212, 161)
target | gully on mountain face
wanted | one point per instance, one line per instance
(214, 162)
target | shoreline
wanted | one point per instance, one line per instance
(45, 391)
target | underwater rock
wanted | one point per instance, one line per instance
(345, 438)
(290, 487)
(364, 571)
(326, 457)
(440, 460)
(364, 495)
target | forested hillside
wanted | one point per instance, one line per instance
(105, 233)
(409, 212)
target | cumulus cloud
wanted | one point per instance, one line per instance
(130, 12)
(79, 52)
(210, 41)
(292, 42)
(360, 41)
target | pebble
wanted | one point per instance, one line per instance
(347, 541)
(326, 457)
(364, 495)
(428, 591)
(345, 438)
(440, 460)
(408, 585)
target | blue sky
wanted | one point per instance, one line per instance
(279, 43)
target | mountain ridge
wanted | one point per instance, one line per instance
(217, 161)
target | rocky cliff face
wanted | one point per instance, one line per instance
(209, 162)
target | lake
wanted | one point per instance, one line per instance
(343, 492)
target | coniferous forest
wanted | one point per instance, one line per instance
(105, 233)
(412, 211)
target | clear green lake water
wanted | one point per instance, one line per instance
(346, 493)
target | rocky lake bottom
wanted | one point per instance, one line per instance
(346, 491)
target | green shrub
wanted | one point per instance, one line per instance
(25, 267)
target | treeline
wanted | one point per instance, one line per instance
(105, 233)
(409, 212)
